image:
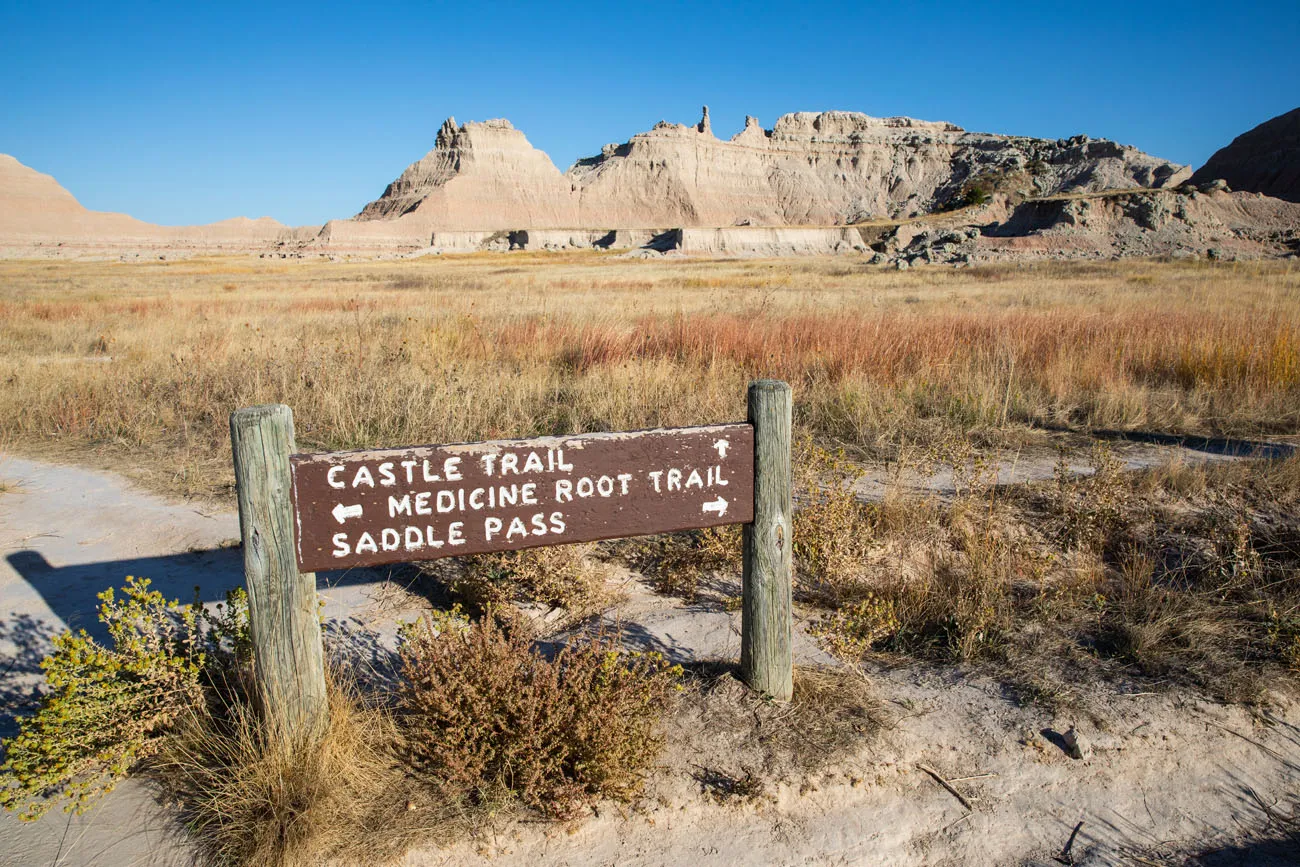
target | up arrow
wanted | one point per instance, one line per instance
(719, 505)
(722, 446)
(342, 513)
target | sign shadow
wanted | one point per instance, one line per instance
(72, 592)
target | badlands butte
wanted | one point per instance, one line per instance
(893, 190)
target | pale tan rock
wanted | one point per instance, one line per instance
(35, 211)
(810, 169)
(479, 176)
(792, 189)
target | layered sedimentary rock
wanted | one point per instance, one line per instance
(810, 169)
(479, 176)
(1264, 160)
(893, 190)
(1178, 223)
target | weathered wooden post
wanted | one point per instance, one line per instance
(282, 608)
(766, 624)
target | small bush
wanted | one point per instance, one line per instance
(1284, 639)
(970, 600)
(493, 718)
(832, 529)
(975, 194)
(562, 576)
(676, 562)
(108, 707)
(854, 630)
(1093, 509)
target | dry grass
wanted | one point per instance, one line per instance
(1186, 575)
(1178, 576)
(350, 800)
(140, 365)
(484, 725)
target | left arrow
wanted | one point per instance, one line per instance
(342, 513)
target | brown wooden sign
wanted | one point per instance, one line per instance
(365, 508)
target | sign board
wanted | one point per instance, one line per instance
(365, 508)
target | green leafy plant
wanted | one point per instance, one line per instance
(107, 706)
(854, 630)
(227, 637)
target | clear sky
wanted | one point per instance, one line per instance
(193, 112)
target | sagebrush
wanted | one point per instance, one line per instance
(489, 714)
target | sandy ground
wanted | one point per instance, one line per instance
(1166, 774)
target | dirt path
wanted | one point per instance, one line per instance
(1166, 773)
(1164, 776)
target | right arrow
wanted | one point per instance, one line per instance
(719, 505)
(342, 513)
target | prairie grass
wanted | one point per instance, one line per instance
(139, 366)
(350, 799)
(1176, 576)
(1185, 575)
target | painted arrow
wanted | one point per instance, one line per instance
(342, 513)
(719, 505)
(722, 446)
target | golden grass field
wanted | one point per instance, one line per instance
(1182, 577)
(137, 366)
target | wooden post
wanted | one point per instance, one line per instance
(288, 659)
(766, 622)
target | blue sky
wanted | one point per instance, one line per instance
(189, 113)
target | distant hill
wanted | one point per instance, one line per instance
(36, 209)
(1264, 160)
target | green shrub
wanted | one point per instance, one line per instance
(107, 707)
(487, 715)
(855, 629)
(975, 194)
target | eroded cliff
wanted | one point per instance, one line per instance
(810, 169)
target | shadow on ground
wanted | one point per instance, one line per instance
(1218, 446)
(72, 592)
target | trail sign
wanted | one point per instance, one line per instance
(299, 513)
(365, 508)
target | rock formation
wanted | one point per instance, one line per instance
(1176, 223)
(894, 191)
(825, 169)
(1264, 160)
